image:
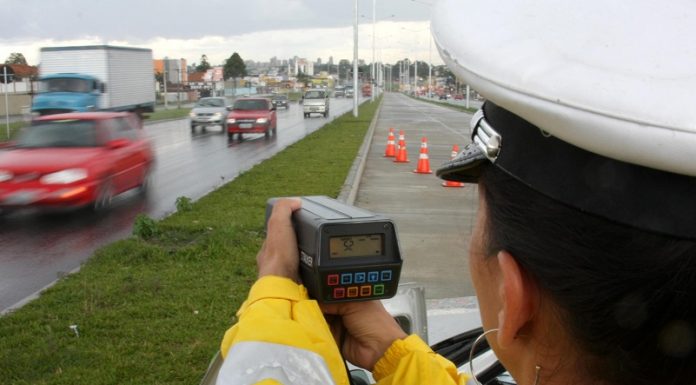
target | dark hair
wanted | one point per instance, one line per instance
(626, 296)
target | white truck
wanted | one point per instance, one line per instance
(95, 78)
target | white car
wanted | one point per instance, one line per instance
(210, 111)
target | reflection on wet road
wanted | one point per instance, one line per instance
(36, 249)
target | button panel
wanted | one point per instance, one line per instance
(359, 284)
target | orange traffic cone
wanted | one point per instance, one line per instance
(401, 153)
(450, 183)
(390, 152)
(423, 160)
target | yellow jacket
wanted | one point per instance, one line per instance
(281, 337)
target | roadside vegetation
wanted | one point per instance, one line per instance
(152, 309)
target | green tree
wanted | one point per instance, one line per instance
(16, 58)
(204, 66)
(234, 68)
(302, 77)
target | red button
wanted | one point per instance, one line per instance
(339, 292)
(365, 291)
(352, 291)
(332, 279)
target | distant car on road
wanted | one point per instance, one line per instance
(210, 111)
(339, 91)
(458, 97)
(315, 101)
(281, 101)
(72, 160)
(252, 115)
(349, 91)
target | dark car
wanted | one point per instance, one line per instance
(281, 101)
(252, 115)
(75, 160)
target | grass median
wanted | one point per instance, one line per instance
(152, 309)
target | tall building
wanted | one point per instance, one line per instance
(304, 65)
(173, 69)
(331, 61)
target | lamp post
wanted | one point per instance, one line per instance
(355, 59)
(164, 80)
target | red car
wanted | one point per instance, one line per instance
(75, 160)
(252, 115)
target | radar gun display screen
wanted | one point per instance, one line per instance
(346, 253)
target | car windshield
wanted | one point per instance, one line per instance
(210, 103)
(280, 97)
(59, 133)
(64, 85)
(250, 104)
(314, 95)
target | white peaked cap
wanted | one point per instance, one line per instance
(616, 78)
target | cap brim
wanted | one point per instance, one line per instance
(465, 167)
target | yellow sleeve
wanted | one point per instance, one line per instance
(411, 361)
(279, 320)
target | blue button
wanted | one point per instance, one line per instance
(346, 279)
(386, 275)
(359, 277)
(373, 276)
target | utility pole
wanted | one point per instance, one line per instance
(164, 80)
(355, 60)
(5, 82)
(374, 74)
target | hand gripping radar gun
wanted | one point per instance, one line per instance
(346, 253)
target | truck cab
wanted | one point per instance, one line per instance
(67, 92)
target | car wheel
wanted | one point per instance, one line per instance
(144, 186)
(105, 194)
(275, 130)
(230, 137)
(193, 128)
(326, 113)
(240, 137)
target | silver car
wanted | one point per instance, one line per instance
(210, 111)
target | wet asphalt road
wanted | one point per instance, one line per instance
(36, 249)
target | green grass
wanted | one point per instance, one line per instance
(153, 310)
(14, 128)
(175, 113)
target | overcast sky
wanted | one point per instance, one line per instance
(256, 29)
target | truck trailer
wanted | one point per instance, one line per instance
(95, 78)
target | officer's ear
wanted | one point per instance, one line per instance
(518, 296)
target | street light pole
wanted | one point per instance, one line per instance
(164, 80)
(355, 59)
(430, 62)
(7, 107)
(374, 74)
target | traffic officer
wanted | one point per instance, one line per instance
(583, 255)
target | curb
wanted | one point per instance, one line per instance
(350, 187)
